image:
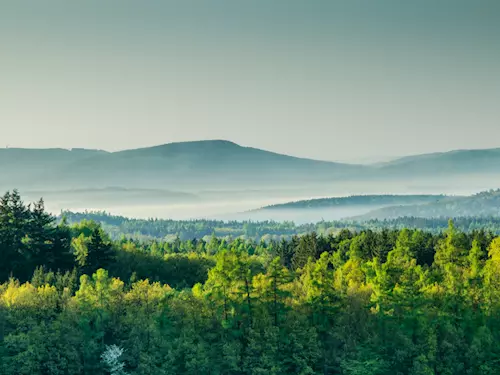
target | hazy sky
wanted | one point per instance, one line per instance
(325, 79)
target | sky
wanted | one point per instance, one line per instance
(325, 79)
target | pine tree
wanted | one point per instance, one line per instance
(93, 253)
(14, 219)
(306, 248)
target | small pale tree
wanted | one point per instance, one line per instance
(111, 360)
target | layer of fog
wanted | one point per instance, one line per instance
(244, 205)
(240, 211)
(206, 210)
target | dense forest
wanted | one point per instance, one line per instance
(392, 301)
(169, 230)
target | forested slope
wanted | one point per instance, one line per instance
(370, 302)
(357, 200)
(485, 204)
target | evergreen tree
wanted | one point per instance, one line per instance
(93, 253)
(14, 219)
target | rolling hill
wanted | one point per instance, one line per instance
(356, 200)
(174, 166)
(450, 163)
(22, 167)
(337, 208)
(219, 165)
(484, 204)
(382, 207)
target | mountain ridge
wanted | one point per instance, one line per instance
(234, 145)
(206, 164)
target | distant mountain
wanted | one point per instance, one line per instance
(22, 167)
(485, 204)
(201, 165)
(450, 163)
(220, 165)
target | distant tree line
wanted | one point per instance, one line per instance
(118, 226)
(359, 200)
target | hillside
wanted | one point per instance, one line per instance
(449, 163)
(186, 165)
(23, 167)
(382, 207)
(356, 200)
(485, 204)
(314, 210)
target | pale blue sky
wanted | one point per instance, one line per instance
(336, 80)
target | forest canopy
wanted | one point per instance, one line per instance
(404, 301)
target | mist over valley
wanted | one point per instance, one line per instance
(222, 180)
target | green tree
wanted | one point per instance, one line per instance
(93, 252)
